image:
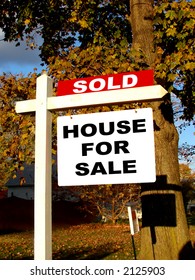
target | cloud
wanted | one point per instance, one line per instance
(17, 59)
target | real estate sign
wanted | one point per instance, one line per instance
(110, 82)
(106, 148)
(114, 147)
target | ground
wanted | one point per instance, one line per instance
(75, 235)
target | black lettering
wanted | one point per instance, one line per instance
(58, 271)
(125, 128)
(129, 166)
(86, 147)
(66, 131)
(88, 126)
(83, 167)
(98, 168)
(32, 271)
(111, 168)
(99, 149)
(121, 145)
(139, 126)
(102, 128)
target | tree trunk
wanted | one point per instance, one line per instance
(164, 233)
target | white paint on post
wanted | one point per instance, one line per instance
(43, 166)
(96, 98)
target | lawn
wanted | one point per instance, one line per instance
(82, 242)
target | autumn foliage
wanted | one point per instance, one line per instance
(16, 131)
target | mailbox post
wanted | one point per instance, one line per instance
(133, 222)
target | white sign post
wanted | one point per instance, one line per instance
(43, 171)
(43, 166)
(42, 105)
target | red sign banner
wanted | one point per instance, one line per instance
(106, 82)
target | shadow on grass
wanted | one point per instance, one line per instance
(10, 231)
(187, 252)
(88, 253)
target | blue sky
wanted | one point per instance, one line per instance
(19, 60)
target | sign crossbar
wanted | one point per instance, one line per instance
(148, 93)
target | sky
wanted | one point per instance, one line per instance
(17, 60)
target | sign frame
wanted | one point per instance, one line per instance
(42, 106)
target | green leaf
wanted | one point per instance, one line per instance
(171, 14)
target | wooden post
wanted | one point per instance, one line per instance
(43, 171)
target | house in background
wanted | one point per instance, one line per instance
(22, 185)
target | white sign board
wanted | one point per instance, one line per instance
(106, 148)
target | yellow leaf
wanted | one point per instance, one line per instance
(83, 23)
(20, 155)
(20, 87)
(189, 65)
(27, 21)
(73, 19)
(24, 135)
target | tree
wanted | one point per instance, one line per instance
(186, 152)
(187, 178)
(186, 173)
(99, 37)
(165, 217)
(110, 201)
(16, 147)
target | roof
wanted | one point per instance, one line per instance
(23, 177)
(26, 177)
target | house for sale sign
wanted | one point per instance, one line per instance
(106, 148)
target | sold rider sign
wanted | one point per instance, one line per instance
(106, 148)
(106, 83)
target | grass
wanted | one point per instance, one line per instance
(104, 242)
(83, 242)
(16, 246)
